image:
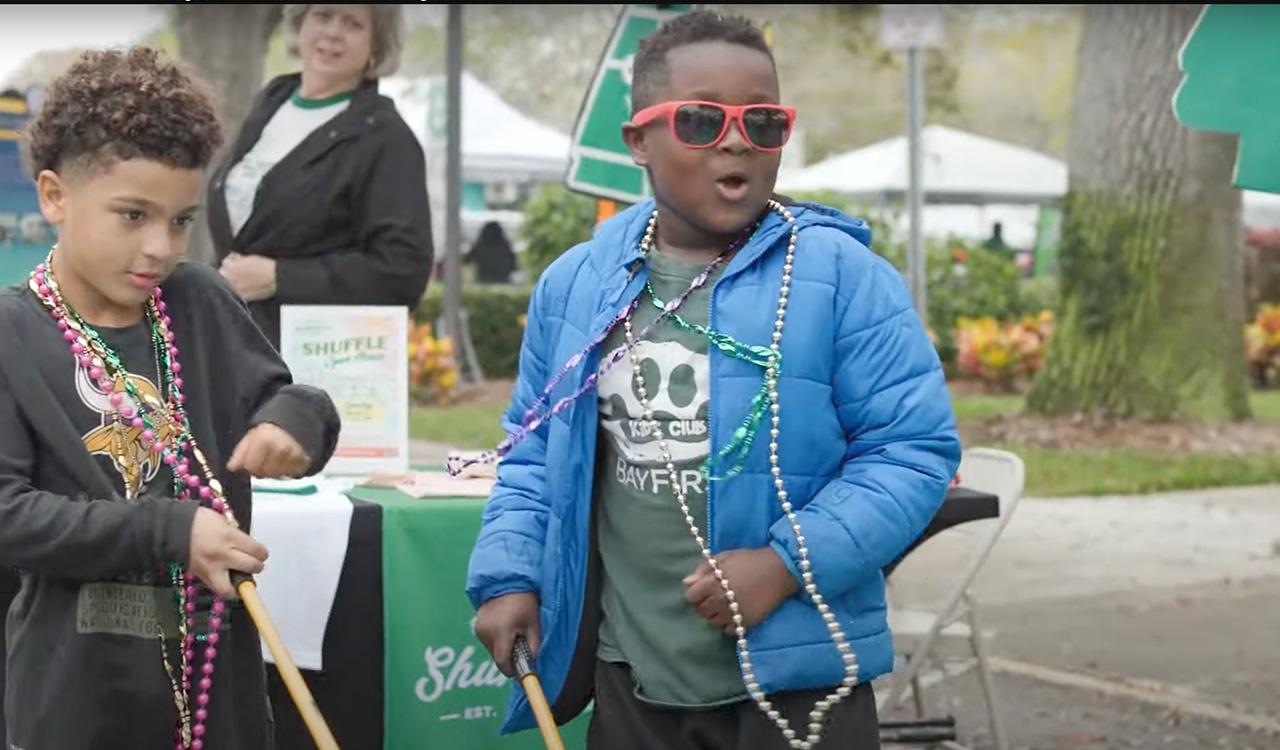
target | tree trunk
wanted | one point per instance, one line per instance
(1152, 309)
(227, 46)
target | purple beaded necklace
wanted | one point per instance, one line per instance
(165, 430)
(535, 416)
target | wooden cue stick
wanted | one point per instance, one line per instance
(298, 690)
(537, 700)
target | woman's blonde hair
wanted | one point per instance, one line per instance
(388, 36)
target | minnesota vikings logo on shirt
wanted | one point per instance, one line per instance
(119, 440)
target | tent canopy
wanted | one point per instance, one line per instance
(498, 141)
(959, 167)
(982, 180)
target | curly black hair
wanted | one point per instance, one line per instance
(649, 69)
(123, 104)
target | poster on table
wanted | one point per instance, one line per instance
(358, 355)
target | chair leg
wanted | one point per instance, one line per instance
(889, 699)
(901, 679)
(915, 664)
(917, 695)
(984, 672)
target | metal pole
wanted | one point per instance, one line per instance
(915, 188)
(453, 181)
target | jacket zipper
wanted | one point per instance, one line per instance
(711, 390)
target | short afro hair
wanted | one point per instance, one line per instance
(649, 70)
(123, 104)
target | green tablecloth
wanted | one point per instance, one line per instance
(442, 690)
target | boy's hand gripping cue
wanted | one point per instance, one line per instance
(523, 658)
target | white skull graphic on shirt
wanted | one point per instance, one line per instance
(676, 382)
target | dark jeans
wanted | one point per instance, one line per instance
(9, 585)
(621, 721)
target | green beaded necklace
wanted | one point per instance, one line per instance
(736, 450)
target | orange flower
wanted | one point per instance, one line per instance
(433, 373)
(1002, 353)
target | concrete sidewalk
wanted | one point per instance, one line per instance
(1144, 621)
(1065, 547)
(422, 453)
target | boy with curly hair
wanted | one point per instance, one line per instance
(142, 399)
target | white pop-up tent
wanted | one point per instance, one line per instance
(971, 182)
(501, 146)
(1261, 210)
(959, 168)
(499, 143)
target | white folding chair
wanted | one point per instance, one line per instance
(953, 630)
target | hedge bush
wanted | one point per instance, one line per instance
(493, 317)
(554, 221)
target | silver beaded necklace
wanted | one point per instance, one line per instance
(817, 717)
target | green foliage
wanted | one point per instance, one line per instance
(493, 313)
(165, 38)
(986, 283)
(1039, 294)
(963, 280)
(1139, 332)
(554, 221)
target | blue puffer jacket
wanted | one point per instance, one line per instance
(868, 445)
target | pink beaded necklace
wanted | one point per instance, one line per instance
(175, 446)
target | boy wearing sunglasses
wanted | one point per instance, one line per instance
(728, 420)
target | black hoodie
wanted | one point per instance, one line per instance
(85, 670)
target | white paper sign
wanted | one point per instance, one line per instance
(906, 26)
(358, 355)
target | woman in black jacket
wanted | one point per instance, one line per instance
(322, 198)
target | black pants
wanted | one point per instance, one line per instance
(623, 722)
(9, 585)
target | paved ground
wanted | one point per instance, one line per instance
(422, 453)
(1148, 622)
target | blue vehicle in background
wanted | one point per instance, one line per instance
(25, 237)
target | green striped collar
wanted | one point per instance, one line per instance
(304, 103)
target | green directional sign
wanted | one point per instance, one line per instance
(1231, 84)
(600, 163)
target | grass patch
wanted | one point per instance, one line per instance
(1266, 405)
(982, 408)
(466, 427)
(1050, 472)
(1132, 472)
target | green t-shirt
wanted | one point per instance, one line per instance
(676, 657)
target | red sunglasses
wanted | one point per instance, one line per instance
(699, 124)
